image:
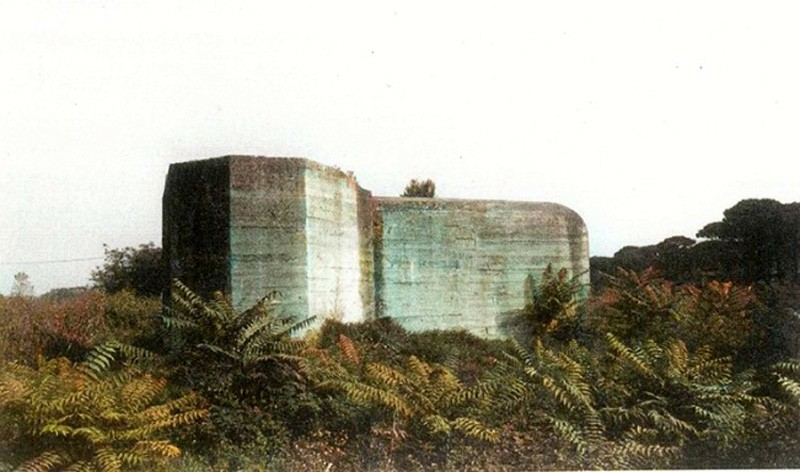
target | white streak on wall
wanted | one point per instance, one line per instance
(333, 264)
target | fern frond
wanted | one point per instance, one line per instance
(285, 358)
(531, 372)
(706, 414)
(136, 395)
(512, 393)
(100, 358)
(667, 422)
(570, 433)
(580, 393)
(133, 353)
(11, 390)
(639, 455)
(711, 370)
(80, 466)
(572, 367)
(519, 354)
(559, 393)
(173, 320)
(387, 375)
(221, 351)
(788, 367)
(624, 352)
(702, 354)
(349, 349)
(421, 399)
(651, 351)
(256, 326)
(284, 346)
(107, 460)
(475, 429)
(445, 379)
(160, 448)
(594, 426)
(294, 327)
(131, 459)
(92, 434)
(677, 357)
(436, 424)
(192, 305)
(419, 371)
(368, 395)
(89, 419)
(791, 387)
(44, 462)
(638, 433)
(460, 395)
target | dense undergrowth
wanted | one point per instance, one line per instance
(644, 374)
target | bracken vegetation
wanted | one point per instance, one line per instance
(645, 373)
(418, 397)
(90, 416)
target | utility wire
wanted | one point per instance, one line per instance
(52, 261)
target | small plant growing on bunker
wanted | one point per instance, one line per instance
(420, 189)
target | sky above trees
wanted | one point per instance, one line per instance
(649, 119)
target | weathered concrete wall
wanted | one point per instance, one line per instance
(196, 213)
(334, 244)
(268, 232)
(452, 264)
(250, 225)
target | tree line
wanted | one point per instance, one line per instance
(757, 240)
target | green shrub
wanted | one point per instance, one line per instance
(552, 305)
(139, 270)
(245, 364)
(134, 319)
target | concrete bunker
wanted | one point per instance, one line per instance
(248, 225)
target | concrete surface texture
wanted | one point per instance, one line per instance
(250, 225)
(461, 263)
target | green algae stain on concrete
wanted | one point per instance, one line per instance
(267, 232)
(462, 264)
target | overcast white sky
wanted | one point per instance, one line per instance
(648, 118)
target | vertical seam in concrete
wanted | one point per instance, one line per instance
(229, 242)
(307, 243)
